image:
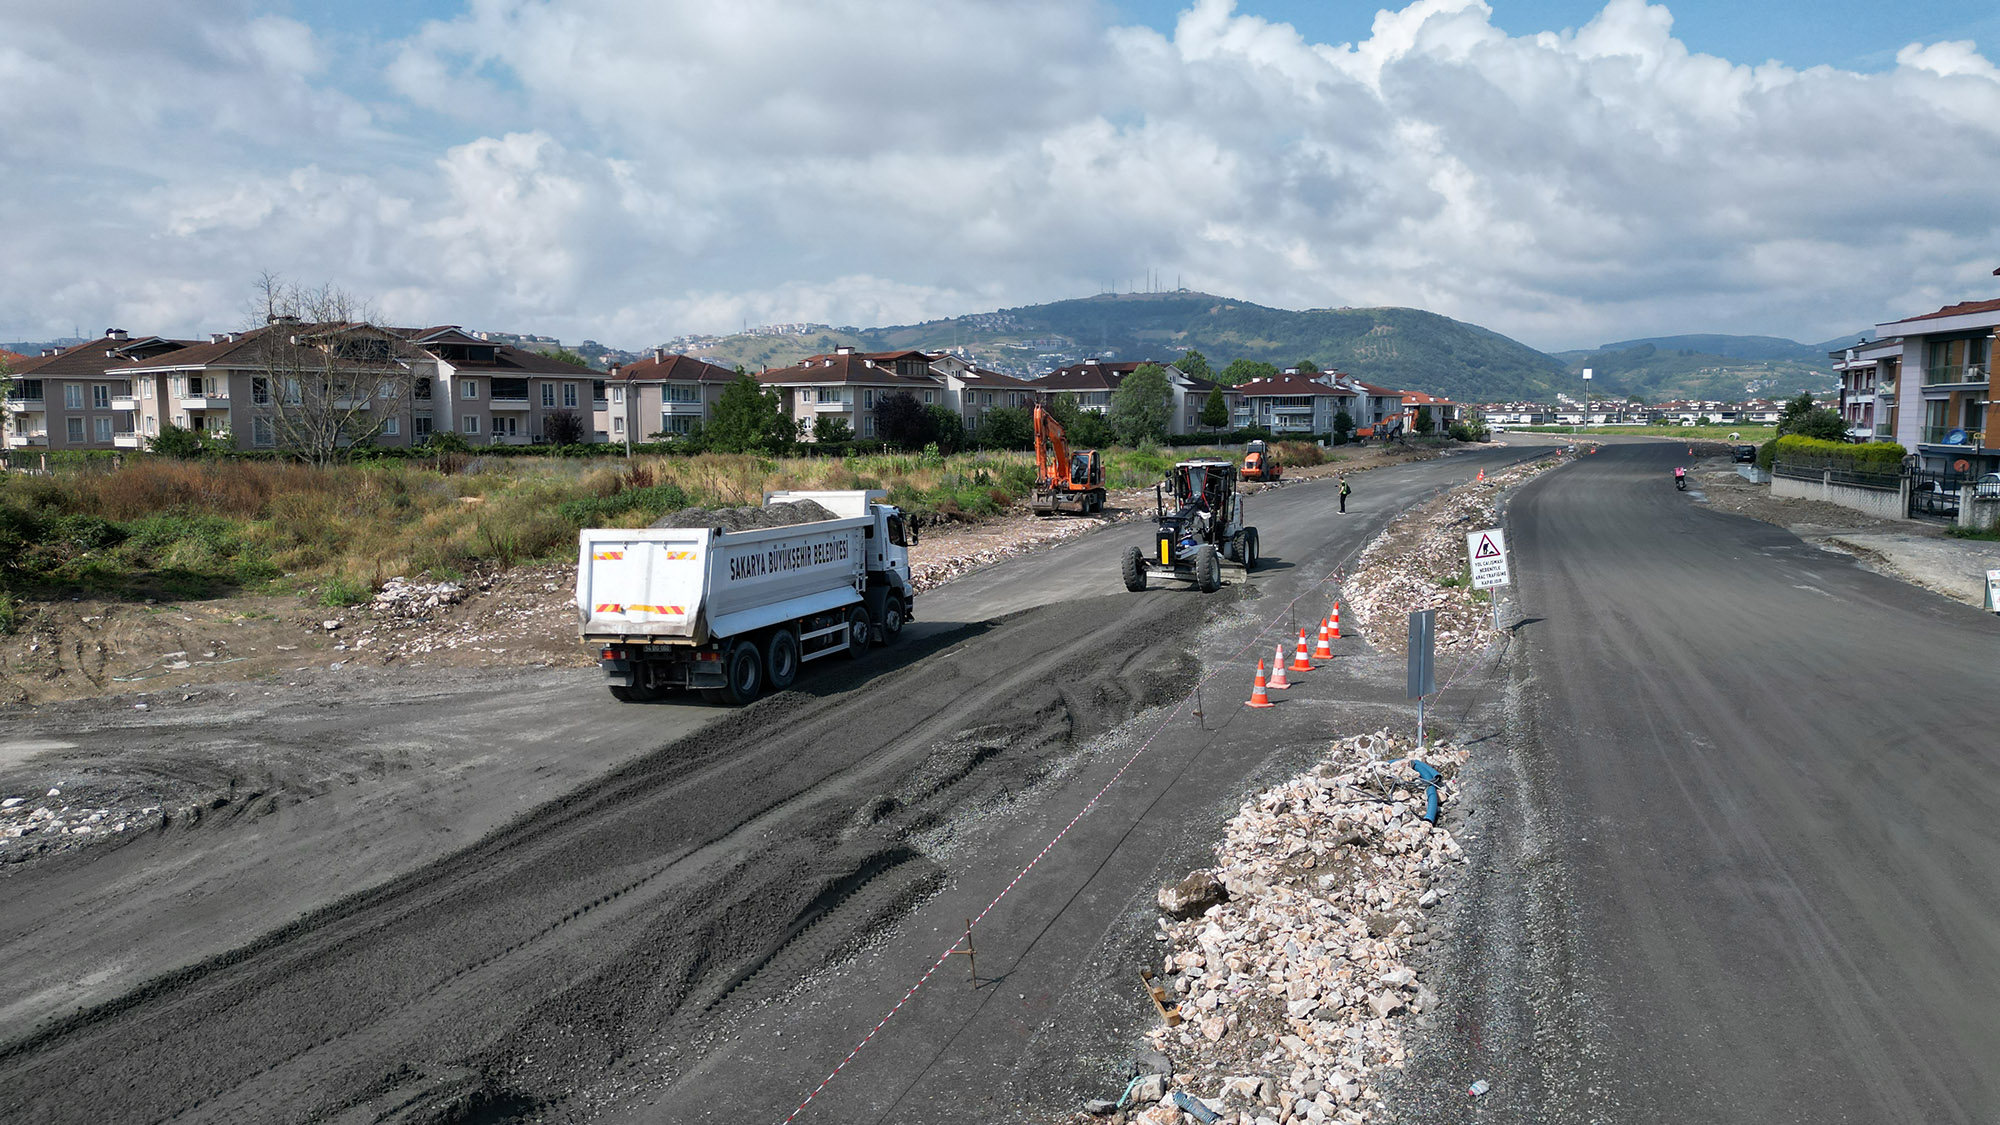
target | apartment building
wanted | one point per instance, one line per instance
(975, 392)
(662, 396)
(1093, 381)
(1291, 404)
(497, 394)
(1935, 383)
(848, 386)
(81, 397)
(1867, 373)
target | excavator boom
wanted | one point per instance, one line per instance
(1064, 481)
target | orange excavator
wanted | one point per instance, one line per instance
(1064, 481)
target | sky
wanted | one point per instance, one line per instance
(1564, 172)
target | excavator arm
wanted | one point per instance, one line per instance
(1052, 458)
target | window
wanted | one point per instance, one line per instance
(868, 396)
(260, 432)
(469, 424)
(195, 386)
(385, 390)
(100, 396)
(676, 424)
(617, 425)
(469, 389)
(103, 426)
(392, 427)
(421, 427)
(146, 389)
(152, 424)
(548, 395)
(260, 391)
(930, 397)
(868, 426)
(618, 396)
(569, 396)
(507, 427)
(683, 394)
(421, 390)
(73, 398)
(76, 430)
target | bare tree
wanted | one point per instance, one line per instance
(327, 377)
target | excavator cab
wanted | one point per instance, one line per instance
(1064, 481)
(1200, 527)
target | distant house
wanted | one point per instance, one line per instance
(496, 394)
(848, 386)
(975, 392)
(1292, 404)
(1093, 381)
(81, 397)
(662, 395)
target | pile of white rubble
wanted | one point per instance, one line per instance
(1294, 988)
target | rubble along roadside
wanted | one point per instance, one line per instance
(1289, 962)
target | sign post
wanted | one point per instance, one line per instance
(1488, 552)
(1423, 673)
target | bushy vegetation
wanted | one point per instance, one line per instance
(1872, 457)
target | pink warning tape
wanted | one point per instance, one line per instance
(1333, 577)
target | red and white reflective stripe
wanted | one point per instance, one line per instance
(1050, 846)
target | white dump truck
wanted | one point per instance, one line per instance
(729, 613)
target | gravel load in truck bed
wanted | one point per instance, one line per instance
(783, 514)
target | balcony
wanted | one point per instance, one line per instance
(352, 402)
(682, 409)
(1958, 375)
(124, 402)
(25, 405)
(205, 402)
(832, 407)
(507, 403)
(31, 439)
(126, 439)
(1941, 435)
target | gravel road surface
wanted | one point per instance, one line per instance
(708, 929)
(1745, 865)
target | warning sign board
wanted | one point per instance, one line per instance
(1488, 552)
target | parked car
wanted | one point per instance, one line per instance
(1746, 453)
(1988, 484)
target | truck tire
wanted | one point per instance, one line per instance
(1233, 550)
(859, 632)
(744, 667)
(781, 659)
(1134, 568)
(886, 607)
(1207, 569)
(1249, 548)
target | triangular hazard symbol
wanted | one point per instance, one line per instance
(1486, 549)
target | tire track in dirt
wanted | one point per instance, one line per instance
(701, 878)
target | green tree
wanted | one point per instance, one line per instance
(1142, 405)
(1007, 427)
(1307, 367)
(1423, 419)
(1343, 428)
(903, 422)
(749, 418)
(1242, 371)
(947, 427)
(176, 441)
(832, 429)
(1195, 365)
(564, 355)
(564, 427)
(1215, 412)
(1807, 418)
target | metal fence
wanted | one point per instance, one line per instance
(1838, 473)
(1935, 495)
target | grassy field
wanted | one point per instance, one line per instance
(1747, 435)
(159, 527)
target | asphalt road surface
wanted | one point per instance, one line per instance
(707, 930)
(1742, 862)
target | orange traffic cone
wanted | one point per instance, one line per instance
(1258, 696)
(1324, 649)
(1300, 661)
(1278, 681)
(1336, 621)
(1482, 474)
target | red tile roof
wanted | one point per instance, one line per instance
(1290, 386)
(95, 358)
(673, 368)
(1963, 308)
(849, 368)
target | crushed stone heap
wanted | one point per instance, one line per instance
(782, 514)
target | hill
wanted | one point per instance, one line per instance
(1706, 367)
(1402, 348)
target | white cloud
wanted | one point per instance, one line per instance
(630, 169)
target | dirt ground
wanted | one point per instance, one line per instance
(85, 648)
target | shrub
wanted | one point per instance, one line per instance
(341, 590)
(10, 615)
(1884, 457)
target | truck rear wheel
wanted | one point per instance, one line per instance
(1207, 569)
(781, 660)
(1249, 548)
(887, 610)
(859, 632)
(745, 668)
(1134, 569)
